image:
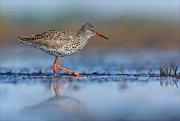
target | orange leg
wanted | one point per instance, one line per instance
(56, 65)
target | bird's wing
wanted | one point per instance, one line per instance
(50, 39)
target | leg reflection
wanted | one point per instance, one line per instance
(56, 89)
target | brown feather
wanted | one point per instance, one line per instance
(51, 38)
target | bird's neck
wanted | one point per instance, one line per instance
(83, 35)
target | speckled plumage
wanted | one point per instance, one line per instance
(60, 42)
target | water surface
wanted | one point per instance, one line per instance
(117, 87)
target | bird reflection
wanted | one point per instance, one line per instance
(58, 107)
(165, 82)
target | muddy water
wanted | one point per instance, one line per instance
(118, 87)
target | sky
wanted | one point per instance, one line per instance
(97, 9)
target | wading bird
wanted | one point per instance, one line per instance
(62, 43)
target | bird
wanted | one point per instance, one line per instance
(60, 43)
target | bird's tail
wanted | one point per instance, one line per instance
(26, 40)
(21, 39)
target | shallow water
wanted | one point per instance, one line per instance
(117, 87)
(103, 98)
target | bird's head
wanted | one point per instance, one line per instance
(90, 30)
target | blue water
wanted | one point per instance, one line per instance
(104, 98)
(119, 89)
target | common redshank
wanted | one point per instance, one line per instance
(62, 43)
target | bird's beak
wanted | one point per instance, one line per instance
(98, 34)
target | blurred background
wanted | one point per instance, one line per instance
(128, 24)
(131, 26)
